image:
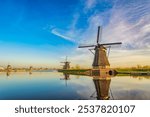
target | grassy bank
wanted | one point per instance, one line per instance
(134, 71)
(120, 71)
(75, 71)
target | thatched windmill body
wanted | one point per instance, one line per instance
(66, 64)
(100, 63)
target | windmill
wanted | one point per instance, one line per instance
(30, 70)
(100, 62)
(9, 68)
(66, 64)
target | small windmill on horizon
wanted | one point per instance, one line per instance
(100, 62)
(66, 64)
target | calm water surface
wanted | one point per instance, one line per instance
(59, 86)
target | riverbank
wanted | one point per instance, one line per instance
(119, 72)
(133, 71)
(76, 71)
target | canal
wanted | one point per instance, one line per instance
(59, 86)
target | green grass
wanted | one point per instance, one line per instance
(134, 69)
(75, 71)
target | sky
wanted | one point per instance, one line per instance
(42, 33)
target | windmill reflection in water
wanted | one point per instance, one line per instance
(66, 78)
(102, 87)
(101, 83)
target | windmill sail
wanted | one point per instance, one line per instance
(85, 46)
(117, 43)
(98, 32)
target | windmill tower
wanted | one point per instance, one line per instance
(66, 64)
(100, 62)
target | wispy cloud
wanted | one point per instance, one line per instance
(130, 25)
(62, 34)
(127, 22)
(89, 4)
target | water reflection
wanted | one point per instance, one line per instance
(30, 72)
(8, 74)
(141, 77)
(66, 78)
(102, 86)
(52, 85)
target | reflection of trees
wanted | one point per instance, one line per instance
(77, 76)
(102, 86)
(141, 77)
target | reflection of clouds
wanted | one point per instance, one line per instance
(129, 83)
(83, 86)
(22, 77)
(47, 85)
(127, 87)
(134, 94)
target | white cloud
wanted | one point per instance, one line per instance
(128, 24)
(127, 21)
(60, 34)
(89, 4)
(133, 35)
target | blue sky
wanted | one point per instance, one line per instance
(43, 32)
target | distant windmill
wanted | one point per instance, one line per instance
(9, 68)
(100, 58)
(66, 64)
(30, 70)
